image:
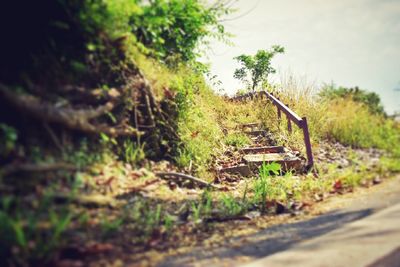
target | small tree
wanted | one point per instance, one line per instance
(255, 69)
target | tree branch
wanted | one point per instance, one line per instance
(68, 117)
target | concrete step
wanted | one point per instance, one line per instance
(287, 161)
(249, 126)
(256, 133)
(242, 169)
(252, 162)
(263, 150)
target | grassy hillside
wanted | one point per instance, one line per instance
(108, 93)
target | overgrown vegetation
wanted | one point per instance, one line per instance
(96, 95)
(108, 83)
(328, 117)
(255, 69)
(369, 99)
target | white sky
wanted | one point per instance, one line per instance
(349, 42)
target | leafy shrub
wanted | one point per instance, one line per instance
(255, 69)
(370, 99)
(176, 27)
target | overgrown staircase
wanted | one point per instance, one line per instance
(262, 150)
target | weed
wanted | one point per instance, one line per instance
(132, 152)
(31, 236)
(231, 206)
(196, 209)
(237, 139)
(146, 219)
(389, 164)
(206, 199)
(105, 139)
(108, 226)
(168, 222)
(263, 186)
(152, 220)
(9, 136)
(82, 156)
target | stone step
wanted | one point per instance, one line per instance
(256, 133)
(288, 162)
(249, 125)
(263, 150)
(242, 169)
(252, 162)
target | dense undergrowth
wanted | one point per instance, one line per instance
(102, 49)
(348, 116)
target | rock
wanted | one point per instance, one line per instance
(252, 215)
(241, 169)
(377, 180)
(280, 208)
(318, 197)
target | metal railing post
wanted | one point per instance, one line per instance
(307, 142)
(279, 111)
(289, 123)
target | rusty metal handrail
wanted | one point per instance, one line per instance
(290, 116)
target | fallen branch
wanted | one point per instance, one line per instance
(96, 200)
(53, 137)
(142, 187)
(229, 218)
(69, 117)
(41, 167)
(174, 176)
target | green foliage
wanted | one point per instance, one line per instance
(84, 41)
(168, 222)
(197, 123)
(62, 36)
(361, 129)
(271, 168)
(8, 137)
(109, 226)
(196, 211)
(231, 206)
(370, 99)
(177, 27)
(24, 239)
(263, 185)
(133, 152)
(237, 139)
(202, 209)
(147, 218)
(255, 69)
(82, 156)
(105, 139)
(390, 164)
(207, 202)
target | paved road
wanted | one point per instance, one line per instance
(368, 217)
(371, 241)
